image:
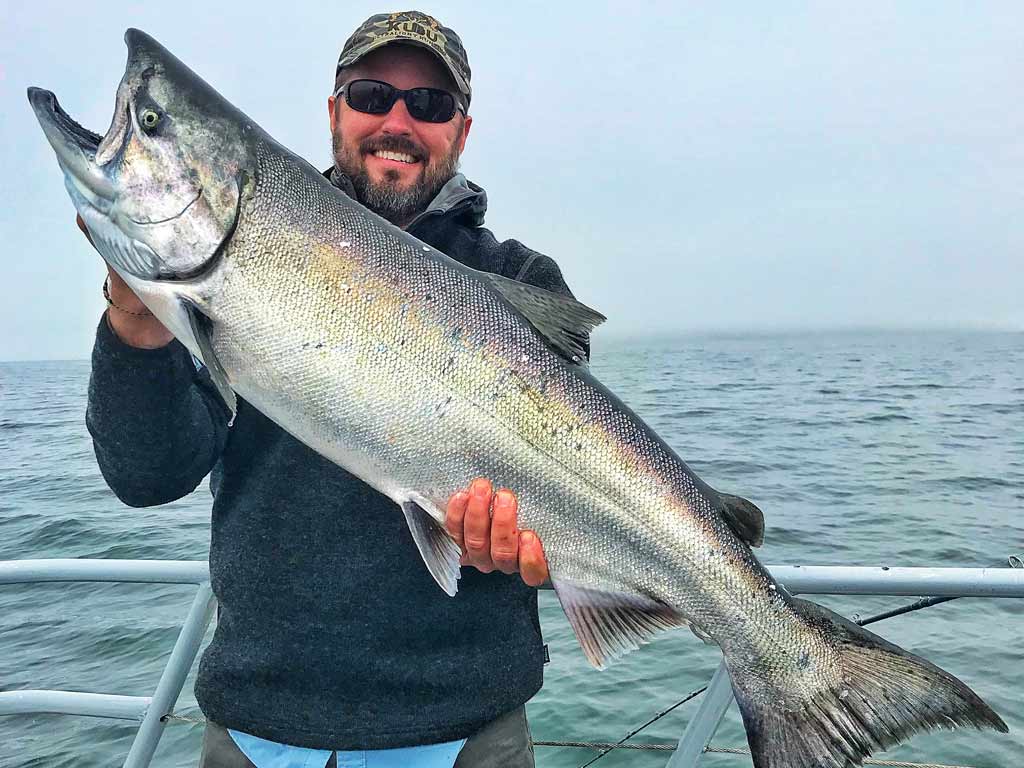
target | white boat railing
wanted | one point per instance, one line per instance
(152, 712)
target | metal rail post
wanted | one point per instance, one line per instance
(702, 726)
(173, 678)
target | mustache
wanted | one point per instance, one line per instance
(393, 144)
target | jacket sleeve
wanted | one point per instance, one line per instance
(157, 425)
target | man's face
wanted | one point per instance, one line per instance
(396, 163)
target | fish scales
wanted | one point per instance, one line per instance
(332, 302)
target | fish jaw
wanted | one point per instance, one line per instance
(75, 147)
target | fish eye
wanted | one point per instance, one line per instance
(149, 119)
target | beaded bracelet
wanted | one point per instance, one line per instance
(110, 302)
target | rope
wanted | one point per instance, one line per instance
(183, 719)
(606, 745)
(867, 761)
(670, 746)
(634, 732)
(924, 602)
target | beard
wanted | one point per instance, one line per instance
(385, 198)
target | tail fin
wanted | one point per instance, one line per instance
(888, 694)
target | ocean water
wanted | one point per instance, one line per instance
(861, 448)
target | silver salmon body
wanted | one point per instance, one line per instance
(417, 374)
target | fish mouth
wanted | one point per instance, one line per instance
(50, 113)
(76, 148)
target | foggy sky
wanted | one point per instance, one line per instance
(691, 167)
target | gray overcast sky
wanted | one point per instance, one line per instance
(692, 166)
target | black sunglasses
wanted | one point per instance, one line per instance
(431, 105)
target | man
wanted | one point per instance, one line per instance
(334, 646)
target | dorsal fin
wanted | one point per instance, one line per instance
(744, 518)
(562, 320)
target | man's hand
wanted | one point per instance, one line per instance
(128, 317)
(488, 542)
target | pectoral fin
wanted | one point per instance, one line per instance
(199, 325)
(438, 549)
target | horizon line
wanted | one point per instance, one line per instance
(706, 332)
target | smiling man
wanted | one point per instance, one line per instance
(334, 646)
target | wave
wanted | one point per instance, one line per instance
(882, 417)
(972, 482)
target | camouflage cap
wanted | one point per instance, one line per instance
(413, 28)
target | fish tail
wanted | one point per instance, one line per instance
(886, 694)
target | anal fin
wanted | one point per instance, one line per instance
(439, 551)
(609, 624)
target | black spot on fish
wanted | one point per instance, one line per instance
(804, 661)
(579, 446)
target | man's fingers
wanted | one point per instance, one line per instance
(484, 525)
(455, 514)
(504, 536)
(533, 567)
(477, 525)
